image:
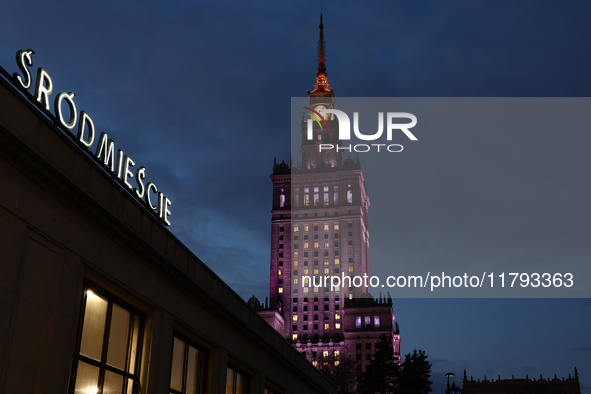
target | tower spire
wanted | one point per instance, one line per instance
(321, 78)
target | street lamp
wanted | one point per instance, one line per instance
(448, 375)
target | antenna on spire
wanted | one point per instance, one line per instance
(321, 78)
(321, 65)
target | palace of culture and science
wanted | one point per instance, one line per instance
(319, 227)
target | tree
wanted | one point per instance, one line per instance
(414, 374)
(339, 368)
(380, 374)
(453, 388)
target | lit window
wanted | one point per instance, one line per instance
(326, 201)
(305, 289)
(337, 261)
(349, 197)
(325, 188)
(357, 321)
(315, 363)
(305, 273)
(187, 365)
(325, 353)
(109, 347)
(296, 255)
(337, 325)
(316, 245)
(280, 290)
(326, 245)
(305, 245)
(315, 289)
(337, 353)
(336, 363)
(326, 227)
(306, 228)
(236, 383)
(316, 271)
(294, 318)
(326, 262)
(306, 280)
(280, 272)
(295, 281)
(337, 316)
(350, 251)
(336, 226)
(351, 269)
(326, 326)
(316, 200)
(295, 263)
(376, 321)
(306, 199)
(367, 321)
(315, 190)
(327, 270)
(281, 200)
(294, 337)
(296, 229)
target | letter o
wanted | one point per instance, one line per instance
(58, 109)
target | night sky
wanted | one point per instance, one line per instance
(199, 93)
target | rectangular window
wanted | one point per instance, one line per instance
(367, 321)
(280, 290)
(315, 245)
(336, 226)
(337, 316)
(236, 383)
(327, 270)
(337, 325)
(296, 229)
(316, 271)
(186, 375)
(326, 227)
(376, 321)
(357, 321)
(296, 255)
(326, 245)
(326, 327)
(326, 262)
(305, 245)
(337, 261)
(306, 228)
(108, 354)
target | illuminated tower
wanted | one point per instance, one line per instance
(319, 228)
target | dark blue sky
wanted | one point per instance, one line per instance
(199, 93)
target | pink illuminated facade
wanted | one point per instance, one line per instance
(319, 228)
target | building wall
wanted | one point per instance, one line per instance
(67, 226)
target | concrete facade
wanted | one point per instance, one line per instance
(70, 231)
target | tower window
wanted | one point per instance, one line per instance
(282, 201)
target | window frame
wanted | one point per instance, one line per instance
(201, 368)
(103, 365)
